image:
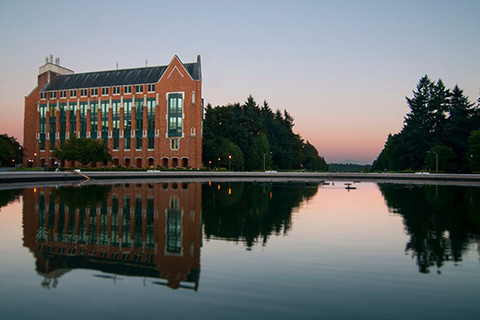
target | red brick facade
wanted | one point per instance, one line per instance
(175, 78)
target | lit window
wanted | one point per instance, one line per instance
(174, 144)
(53, 95)
(83, 92)
(63, 94)
(139, 89)
(94, 92)
(43, 95)
(151, 88)
(116, 90)
(73, 93)
(127, 89)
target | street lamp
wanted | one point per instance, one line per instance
(229, 162)
(34, 159)
(436, 159)
(218, 162)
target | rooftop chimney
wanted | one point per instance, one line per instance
(51, 58)
(57, 61)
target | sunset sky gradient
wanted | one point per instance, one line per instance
(341, 68)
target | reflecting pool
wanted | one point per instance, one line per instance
(240, 250)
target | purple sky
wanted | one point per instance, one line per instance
(341, 68)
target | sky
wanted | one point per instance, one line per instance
(342, 69)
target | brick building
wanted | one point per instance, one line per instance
(149, 116)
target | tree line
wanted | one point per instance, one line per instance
(441, 130)
(252, 137)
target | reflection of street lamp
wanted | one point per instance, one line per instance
(229, 162)
(436, 159)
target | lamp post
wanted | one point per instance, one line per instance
(436, 159)
(229, 162)
(264, 160)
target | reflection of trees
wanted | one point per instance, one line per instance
(249, 211)
(442, 221)
(82, 196)
(7, 196)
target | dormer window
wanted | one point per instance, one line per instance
(104, 91)
(63, 94)
(83, 92)
(151, 88)
(94, 92)
(53, 95)
(138, 89)
(116, 90)
(73, 93)
(127, 89)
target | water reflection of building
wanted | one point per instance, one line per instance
(145, 230)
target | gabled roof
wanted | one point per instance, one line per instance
(117, 77)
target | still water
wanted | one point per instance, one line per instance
(240, 250)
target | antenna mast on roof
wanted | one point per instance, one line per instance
(117, 65)
(146, 63)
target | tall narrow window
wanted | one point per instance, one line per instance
(94, 119)
(175, 115)
(127, 122)
(43, 125)
(83, 119)
(139, 122)
(63, 122)
(151, 122)
(53, 123)
(115, 123)
(104, 107)
(73, 119)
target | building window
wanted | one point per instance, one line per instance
(43, 95)
(73, 119)
(116, 123)
(83, 119)
(63, 94)
(151, 122)
(174, 144)
(53, 95)
(94, 92)
(94, 119)
(104, 91)
(151, 88)
(139, 89)
(43, 125)
(127, 123)
(175, 116)
(104, 117)
(139, 122)
(83, 92)
(73, 93)
(193, 97)
(127, 89)
(116, 90)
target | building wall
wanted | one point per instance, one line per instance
(175, 79)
